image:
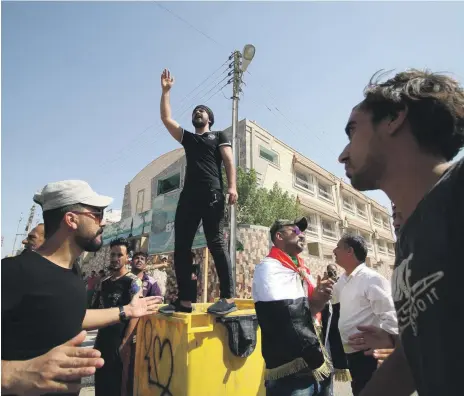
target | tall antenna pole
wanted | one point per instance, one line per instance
(235, 151)
(30, 220)
(17, 232)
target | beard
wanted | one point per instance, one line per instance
(90, 244)
(199, 122)
(369, 176)
(137, 269)
(115, 266)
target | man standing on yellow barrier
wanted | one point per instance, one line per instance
(201, 201)
(292, 347)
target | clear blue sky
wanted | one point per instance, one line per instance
(80, 81)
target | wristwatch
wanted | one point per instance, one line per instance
(122, 315)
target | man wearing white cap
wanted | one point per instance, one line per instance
(44, 300)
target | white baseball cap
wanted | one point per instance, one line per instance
(69, 192)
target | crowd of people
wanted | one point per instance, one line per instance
(386, 339)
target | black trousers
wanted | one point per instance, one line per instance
(204, 205)
(194, 288)
(108, 379)
(361, 368)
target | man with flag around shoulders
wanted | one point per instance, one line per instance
(288, 306)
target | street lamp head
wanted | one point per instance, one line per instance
(248, 55)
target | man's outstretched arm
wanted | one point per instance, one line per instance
(167, 81)
(98, 318)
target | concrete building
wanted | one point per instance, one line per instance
(112, 216)
(331, 205)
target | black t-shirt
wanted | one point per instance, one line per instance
(427, 286)
(43, 306)
(204, 159)
(114, 294)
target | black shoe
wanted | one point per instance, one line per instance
(222, 307)
(174, 307)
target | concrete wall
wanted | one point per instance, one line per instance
(256, 242)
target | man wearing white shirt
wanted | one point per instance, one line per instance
(365, 299)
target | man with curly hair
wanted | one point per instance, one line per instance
(116, 291)
(402, 137)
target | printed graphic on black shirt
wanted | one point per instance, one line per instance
(426, 285)
(412, 298)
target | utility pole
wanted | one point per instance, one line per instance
(31, 218)
(237, 78)
(239, 68)
(17, 233)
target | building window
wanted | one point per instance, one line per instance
(312, 224)
(391, 249)
(382, 247)
(351, 231)
(329, 229)
(368, 239)
(269, 155)
(304, 181)
(361, 210)
(386, 223)
(377, 218)
(325, 192)
(168, 184)
(348, 204)
(139, 205)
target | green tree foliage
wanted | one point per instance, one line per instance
(260, 206)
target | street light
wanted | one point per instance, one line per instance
(248, 55)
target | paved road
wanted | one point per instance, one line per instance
(89, 382)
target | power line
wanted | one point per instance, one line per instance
(219, 90)
(153, 137)
(186, 106)
(129, 149)
(228, 75)
(204, 81)
(189, 24)
(291, 122)
(196, 97)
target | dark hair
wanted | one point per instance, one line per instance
(101, 272)
(93, 272)
(273, 236)
(208, 110)
(120, 242)
(52, 218)
(434, 104)
(143, 254)
(358, 244)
